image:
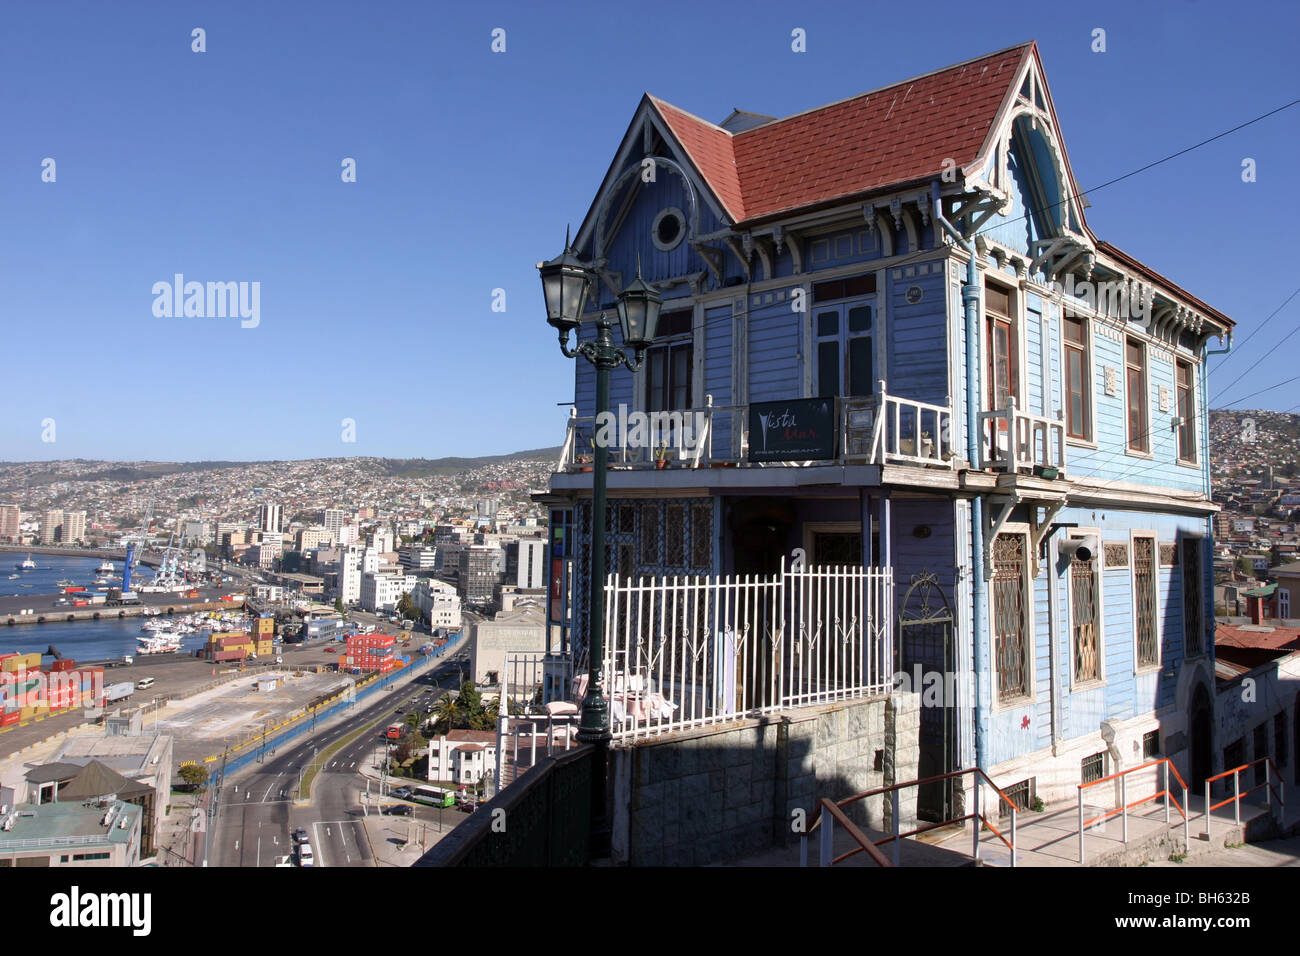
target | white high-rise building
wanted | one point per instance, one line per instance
(51, 521)
(350, 570)
(532, 556)
(10, 518)
(333, 522)
(268, 516)
(74, 527)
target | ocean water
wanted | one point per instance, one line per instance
(80, 640)
(56, 567)
(83, 640)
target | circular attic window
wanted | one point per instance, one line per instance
(669, 229)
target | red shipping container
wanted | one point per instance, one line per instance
(10, 717)
(64, 665)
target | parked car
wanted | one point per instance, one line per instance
(331, 650)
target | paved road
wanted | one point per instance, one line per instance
(257, 815)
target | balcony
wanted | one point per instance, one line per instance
(1014, 441)
(873, 430)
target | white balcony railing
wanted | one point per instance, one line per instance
(1011, 440)
(688, 651)
(906, 432)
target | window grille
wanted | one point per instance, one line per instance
(1150, 744)
(1021, 794)
(1009, 616)
(1193, 597)
(1144, 598)
(1083, 600)
(1092, 769)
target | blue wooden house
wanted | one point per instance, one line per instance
(890, 341)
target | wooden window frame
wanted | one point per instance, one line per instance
(1015, 363)
(842, 337)
(1027, 624)
(1186, 411)
(1098, 574)
(1086, 434)
(1139, 444)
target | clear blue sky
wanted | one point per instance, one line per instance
(376, 296)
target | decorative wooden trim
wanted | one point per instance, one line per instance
(1116, 555)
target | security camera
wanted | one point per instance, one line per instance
(1082, 548)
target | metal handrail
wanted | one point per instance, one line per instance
(1235, 799)
(897, 837)
(1125, 806)
(864, 843)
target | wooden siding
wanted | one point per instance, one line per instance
(632, 236)
(917, 350)
(775, 373)
(718, 371)
(1124, 694)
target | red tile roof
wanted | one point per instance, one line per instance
(898, 134)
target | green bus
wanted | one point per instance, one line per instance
(434, 796)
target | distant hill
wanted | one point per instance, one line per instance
(1245, 441)
(422, 467)
(88, 470)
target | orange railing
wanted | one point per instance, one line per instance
(1267, 786)
(835, 810)
(1125, 806)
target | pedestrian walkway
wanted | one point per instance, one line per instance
(1051, 839)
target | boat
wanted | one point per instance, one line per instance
(161, 642)
(26, 565)
(105, 568)
(12, 576)
(63, 583)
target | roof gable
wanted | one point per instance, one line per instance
(901, 133)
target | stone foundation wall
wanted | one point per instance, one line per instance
(716, 793)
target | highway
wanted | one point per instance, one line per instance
(256, 814)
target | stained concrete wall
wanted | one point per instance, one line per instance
(715, 793)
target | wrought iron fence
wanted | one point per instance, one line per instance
(683, 651)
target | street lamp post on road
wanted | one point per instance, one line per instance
(566, 282)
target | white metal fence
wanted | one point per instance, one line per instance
(688, 651)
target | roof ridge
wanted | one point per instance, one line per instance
(660, 102)
(890, 86)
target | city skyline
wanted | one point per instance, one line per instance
(234, 171)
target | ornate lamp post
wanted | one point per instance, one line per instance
(566, 282)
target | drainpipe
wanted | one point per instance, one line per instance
(970, 295)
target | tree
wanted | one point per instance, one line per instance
(446, 714)
(407, 608)
(470, 699)
(338, 604)
(194, 775)
(1245, 566)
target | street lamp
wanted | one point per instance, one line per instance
(566, 282)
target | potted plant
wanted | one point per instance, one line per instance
(661, 455)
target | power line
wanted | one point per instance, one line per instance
(1142, 169)
(1236, 351)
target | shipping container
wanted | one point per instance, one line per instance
(67, 664)
(9, 717)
